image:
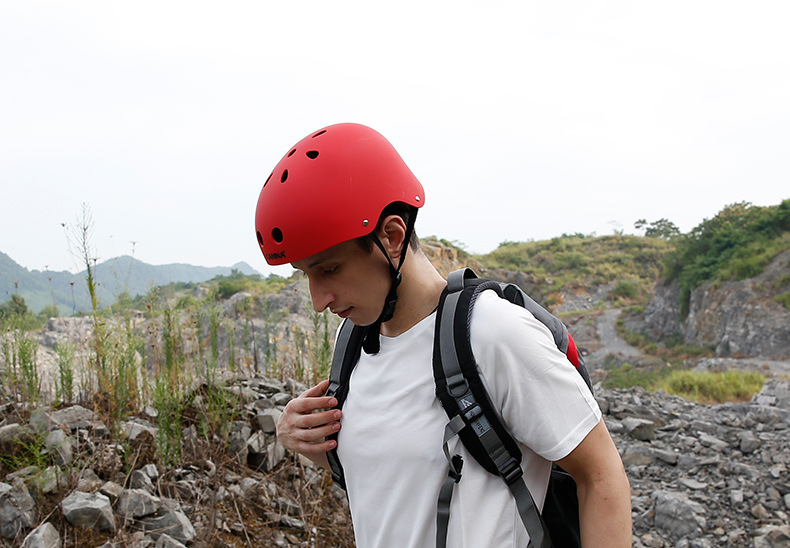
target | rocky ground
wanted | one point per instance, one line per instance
(701, 476)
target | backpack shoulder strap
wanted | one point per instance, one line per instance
(466, 402)
(348, 347)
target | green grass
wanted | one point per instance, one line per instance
(699, 386)
(713, 387)
(636, 262)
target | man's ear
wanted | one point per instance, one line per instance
(392, 234)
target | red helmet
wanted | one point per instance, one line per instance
(331, 187)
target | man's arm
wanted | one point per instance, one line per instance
(306, 421)
(603, 490)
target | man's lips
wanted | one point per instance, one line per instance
(342, 313)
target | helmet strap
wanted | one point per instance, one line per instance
(372, 343)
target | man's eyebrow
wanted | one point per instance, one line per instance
(320, 260)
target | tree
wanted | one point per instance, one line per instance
(662, 228)
(15, 306)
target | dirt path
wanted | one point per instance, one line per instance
(611, 342)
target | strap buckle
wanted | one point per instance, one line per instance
(510, 470)
(454, 470)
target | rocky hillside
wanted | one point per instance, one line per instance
(737, 318)
(701, 476)
(80, 475)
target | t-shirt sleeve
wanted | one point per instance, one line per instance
(543, 400)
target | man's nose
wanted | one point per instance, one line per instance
(321, 296)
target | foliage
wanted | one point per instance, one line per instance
(576, 258)
(735, 244)
(783, 299)
(671, 348)
(64, 387)
(20, 377)
(713, 387)
(227, 286)
(700, 386)
(661, 228)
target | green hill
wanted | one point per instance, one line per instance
(124, 274)
(585, 261)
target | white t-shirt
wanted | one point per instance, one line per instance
(390, 443)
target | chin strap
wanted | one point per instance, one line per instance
(372, 343)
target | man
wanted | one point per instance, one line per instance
(340, 206)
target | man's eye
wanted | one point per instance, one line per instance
(331, 270)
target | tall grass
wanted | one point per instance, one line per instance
(699, 386)
(64, 383)
(21, 379)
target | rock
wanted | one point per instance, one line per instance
(267, 419)
(137, 503)
(61, 445)
(174, 524)
(773, 536)
(748, 442)
(677, 515)
(141, 480)
(736, 317)
(76, 417)
(89, 511)
(640, 429)
(111, 490)
(17, 509)
(43, 536)
(88, 481)
(166, 541)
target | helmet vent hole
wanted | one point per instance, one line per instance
(277, 234)
(319, 133)
(284, 177)
(312, 154)
(260, 238)
(291, 153)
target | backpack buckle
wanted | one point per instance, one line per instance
(457, 385)
(510, 470)
(456, 465)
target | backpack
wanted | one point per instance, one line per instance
(472, 418)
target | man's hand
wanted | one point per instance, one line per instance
(307, 421)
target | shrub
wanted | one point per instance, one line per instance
(713, 387)
(783, 299)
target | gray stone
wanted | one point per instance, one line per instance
(17, 509)
(43, 536)
(636, 455)
(48, 480)
(174, 524)
(89, 511)
(678, 515)
(773, 536)
(41, 421)
(111, 490)
(640, 429)
(141, 480)
(748, 442)
(166, 541)
(267, 419)
(137, 503)
(61, 445)
(88, 481)
(275, 454)
(75, 417)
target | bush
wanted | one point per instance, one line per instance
(735, 244)
(783, 299)
(710, 387)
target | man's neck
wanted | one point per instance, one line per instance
(418, 294)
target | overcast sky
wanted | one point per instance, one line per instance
(523, 119)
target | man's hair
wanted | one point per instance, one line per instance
(405, 212)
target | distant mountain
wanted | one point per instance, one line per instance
(114, 276)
